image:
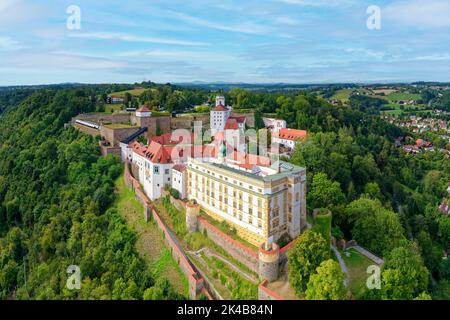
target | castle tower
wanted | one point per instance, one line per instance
(220, 101)
(192, 212)
(143, 116)
(269, 259)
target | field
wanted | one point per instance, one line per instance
(357, 268)
(133, 92)
(403, 96)
(119, 126)
(150, 243)
(344, 94)
(111, 108)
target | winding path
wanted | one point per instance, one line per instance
(341, 263)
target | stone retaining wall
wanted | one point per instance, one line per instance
(196, 281)
(265, 293)
(236, 249)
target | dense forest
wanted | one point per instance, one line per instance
(386, 200)
(55, 207)
(56, 193)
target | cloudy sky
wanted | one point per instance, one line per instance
(258, 41)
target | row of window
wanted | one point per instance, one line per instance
(250, 187)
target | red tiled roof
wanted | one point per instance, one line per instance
(247, 160)
(155, 152)
(170, 138)
(144, 109)
(231, 124)
(220, 108)
(239, 119)
(179, 167)
(290, 134)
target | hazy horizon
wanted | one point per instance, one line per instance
(255, 42)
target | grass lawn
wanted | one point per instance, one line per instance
(404, 96)
(226, 228)
(150, 243)
(119, 126)
(344, 94)
(111, 108)
(357, 268)
(133, 92)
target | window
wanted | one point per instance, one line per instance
(166, 171)
(275, 223)
(156, 170)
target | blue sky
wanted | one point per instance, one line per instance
(258, 41)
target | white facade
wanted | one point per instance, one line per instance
(219, 115)
(143, 114)
(179, 181)
(153, 176)
(284, 142)
(126, 153)
(220, 100)
(218, 120)
(261, 207)
(276, 124)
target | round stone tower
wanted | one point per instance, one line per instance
(192, 212)
(269, 258)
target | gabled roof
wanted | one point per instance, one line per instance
(143, 109)
(291, 134)
(158, 153)
(231, 124)
(247, 160)
(220, 108)
(179, 167)
(170, 138)
(239, 119)
(154, 152)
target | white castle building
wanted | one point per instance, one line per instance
(219, 115)
(263, 200)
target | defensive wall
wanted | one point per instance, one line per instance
(266, 262)
(197, 283)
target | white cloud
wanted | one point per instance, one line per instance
(134, 38)
(179, 54)
(6, 43)
(62, 61)
(366, 52)
(318, 3)
(419, 13)
(245, 27)
(433, 57)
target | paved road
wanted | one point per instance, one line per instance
(342, 264)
